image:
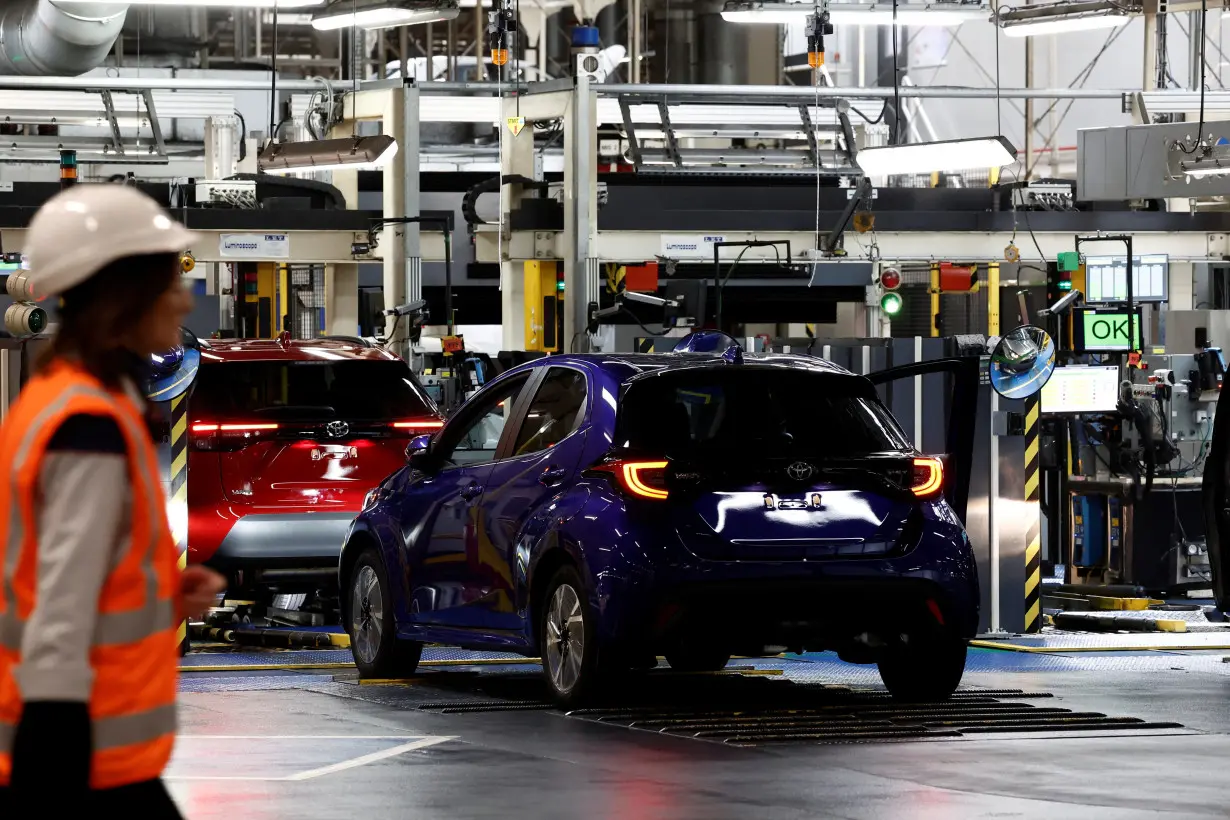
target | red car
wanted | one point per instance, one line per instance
(285, 439)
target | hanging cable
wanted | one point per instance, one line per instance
(999, 114)
(273, 70)
(1204, 39)
(355, 68)
(896, 135)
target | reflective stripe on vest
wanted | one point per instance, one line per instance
(134, 651)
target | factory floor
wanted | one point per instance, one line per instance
(1120, 735)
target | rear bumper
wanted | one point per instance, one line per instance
(283, 541)
(652, 596)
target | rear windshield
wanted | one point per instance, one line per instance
(352, 390)
(757, 413)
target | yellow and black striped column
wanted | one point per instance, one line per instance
(177, 497)
(1033, 530)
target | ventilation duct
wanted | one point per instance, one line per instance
(57, 37)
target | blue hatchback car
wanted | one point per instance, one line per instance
(600, 510)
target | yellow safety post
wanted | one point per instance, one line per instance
(993, 299)
(1032, 513)
(541, 306)
(283, 300)
(935, 300)
(177, 499)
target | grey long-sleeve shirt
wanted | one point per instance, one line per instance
(84, 515)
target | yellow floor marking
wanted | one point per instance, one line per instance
(1008, 647)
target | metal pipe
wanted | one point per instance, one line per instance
(1029, 160)
(753, 94)
(50, 37)
(635, 40)
(191, 84)
(748, 94)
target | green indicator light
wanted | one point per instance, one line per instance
(1065, 285)
(559, 285)
(891, 303)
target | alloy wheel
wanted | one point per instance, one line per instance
(366, 614)
(565, 639)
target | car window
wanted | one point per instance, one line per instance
(553, 413)
(757, 413)
(475, 435)
(353, 390)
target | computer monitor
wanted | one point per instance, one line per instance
(1081, 389)
(690, 294)
(1105, 330)
(1106, 278)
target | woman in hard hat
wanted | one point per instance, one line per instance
(91, 593)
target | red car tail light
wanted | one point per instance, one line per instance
(642, 479)
(426, 424)
(228, 437)
(928, 477)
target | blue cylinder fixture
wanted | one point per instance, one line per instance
(586, 37)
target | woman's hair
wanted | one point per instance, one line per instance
(96, 314)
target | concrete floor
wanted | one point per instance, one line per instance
(300, 744)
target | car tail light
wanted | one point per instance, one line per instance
(642, 479)
(229, 437)
(426, 424)
(928, 477)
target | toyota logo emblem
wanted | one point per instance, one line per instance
(337, 429)
(800, 471)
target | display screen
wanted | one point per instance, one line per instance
(1106, 278)
(1081, 389)
(1106, 331)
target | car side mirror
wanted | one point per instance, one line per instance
(418, 453)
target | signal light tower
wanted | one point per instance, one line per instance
(890, 300)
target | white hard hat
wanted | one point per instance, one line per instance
(87, 227)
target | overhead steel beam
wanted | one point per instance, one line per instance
(894, 246)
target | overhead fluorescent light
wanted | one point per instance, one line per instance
(1062, 17)
(1064, 25)
(947, 155)
(344, 154)
(854, 14)
(376, 15)
(247, 4)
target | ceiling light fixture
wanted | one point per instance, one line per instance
(946, 155)
(344, 154)
(854, 14)
(368, 14)
(1063, 17)
(283, 5)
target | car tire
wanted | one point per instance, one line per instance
(696, 658)
(926, 669)
(567, 639)
(371, 625)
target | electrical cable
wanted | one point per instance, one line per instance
(1204, 39)
(896, 135)
(273, 71)
(999, 114)
(639, 323)
(869, 120)
(243, 136)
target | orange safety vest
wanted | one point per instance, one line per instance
(134, 652)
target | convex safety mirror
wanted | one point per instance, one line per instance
(1022, 362)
